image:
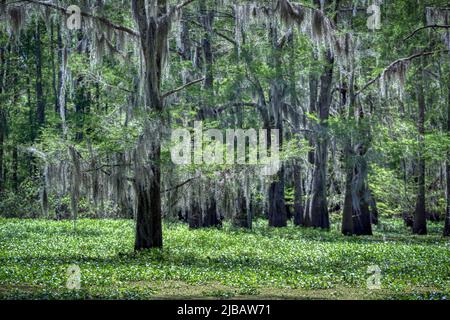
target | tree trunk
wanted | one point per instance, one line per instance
(242, 218)
(15, 169)
(356, 218)
(347, 220)
(61, 90)
(373, 209)
(313, 83)
(207, 20)
(420, 221)
(53, 63)
(40, 103)
(2, 117)
(148, 210)
(211, 219)
(195, 214)
(82, 96)
(153, 29)
(2, 139)
(298, 197)
(277, 205)
(447, 216)
(318, 207)
(362, 224)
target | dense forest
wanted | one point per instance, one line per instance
(358, 91)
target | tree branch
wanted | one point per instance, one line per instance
(393, 64)
(183, 4)
(433, 26)
(181, 184)
(234, 104)
(284, 39)
(220, 34)
(88, 15)
(169, 93)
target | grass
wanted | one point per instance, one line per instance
(292, 262)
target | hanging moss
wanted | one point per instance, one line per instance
(17, 17)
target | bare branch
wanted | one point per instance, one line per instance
(183, 4)
(432, 26)
(181, 184)
(235, 104)
(220, 34)
(285, 39)
(165, 95)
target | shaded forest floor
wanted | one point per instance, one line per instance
(294, 263)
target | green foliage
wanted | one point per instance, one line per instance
(22, 203)
(105, 116)
(224, 263)
(393, 196)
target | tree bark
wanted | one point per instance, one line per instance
(298, 196)
(313, 83)
(148, 210)
(362, 224)
(2, 139)
(447, 216)
(347, 220)
(420, 221)
(211, 219)
(53, 63)
(277, 205)
(373, 209)
(207, 20)
(356, 217)
(40, 103)
(15, 169)
(154, 31)
(318, 206)
(2, 117)
(61, 90)
(242, 218)
(195, 214)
